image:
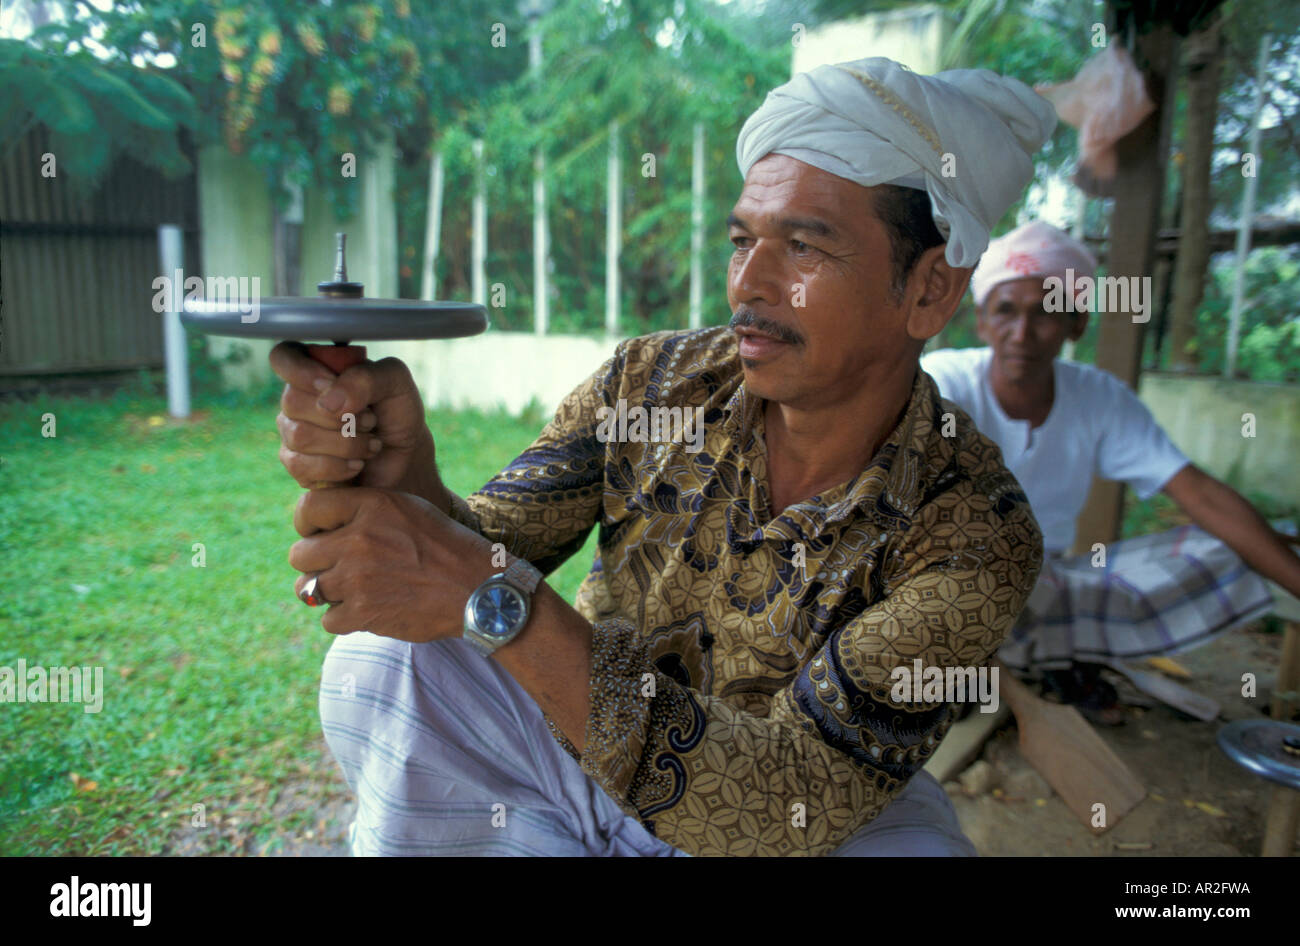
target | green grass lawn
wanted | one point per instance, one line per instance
(210, 673)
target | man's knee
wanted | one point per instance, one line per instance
(919, 822)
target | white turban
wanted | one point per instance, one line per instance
(1036, 249)
(964, 136)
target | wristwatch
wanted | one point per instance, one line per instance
(498, 609)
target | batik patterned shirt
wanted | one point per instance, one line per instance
(741, 691)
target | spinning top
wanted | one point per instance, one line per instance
(1267, 747)
(1270, 748)
(339, 313)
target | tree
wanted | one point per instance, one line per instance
(657, 67)
(93, 110)
(295, 84)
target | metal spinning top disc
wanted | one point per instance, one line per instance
(1267, 747)
(339, 314)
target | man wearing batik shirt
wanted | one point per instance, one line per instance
(1059, 422)
(724, 684)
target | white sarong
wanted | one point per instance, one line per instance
(449, 756)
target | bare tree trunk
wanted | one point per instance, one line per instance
(287, 244)
(1204, 52)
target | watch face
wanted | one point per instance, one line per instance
(498, 610)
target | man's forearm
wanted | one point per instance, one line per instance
(1220, 510)
(551, 660)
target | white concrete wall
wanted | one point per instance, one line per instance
(499, 369)
(496, 370)
(1203, 417)
(912, 36)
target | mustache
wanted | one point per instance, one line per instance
(746, 317)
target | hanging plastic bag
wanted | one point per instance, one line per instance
(1105, 101)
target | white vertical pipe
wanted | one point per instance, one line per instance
(478, 273)
(1247, 214)
(613, 231)
(541, 312)
(432, 231)
(174, 352)
(541, 236)
(697, 225)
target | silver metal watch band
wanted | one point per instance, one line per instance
(523, 576)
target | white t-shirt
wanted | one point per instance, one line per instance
(1096, 425)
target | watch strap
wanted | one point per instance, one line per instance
(523, 576)
(524, 579)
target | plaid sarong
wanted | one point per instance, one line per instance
(1155, 594)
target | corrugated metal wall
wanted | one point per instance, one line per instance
(76, 271)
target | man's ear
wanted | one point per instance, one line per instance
(934, 289)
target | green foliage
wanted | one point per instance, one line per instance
(1279, 157)
(656, 67)
(1270, 333)
(296, 84)
(93, 110)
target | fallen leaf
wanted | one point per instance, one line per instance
(1157, 797)
(82, 784)
(1168, 666)
(1040, 802)
(156, 420)
(125, 672)
(1209, 809)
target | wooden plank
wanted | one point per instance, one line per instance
(1288, 674)
(1057, 741)
(1167, 691)
(964, 741)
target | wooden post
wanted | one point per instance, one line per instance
(1283, 814)
(1247, 213)
(1139, 186)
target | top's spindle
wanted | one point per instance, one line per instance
(339, 287)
